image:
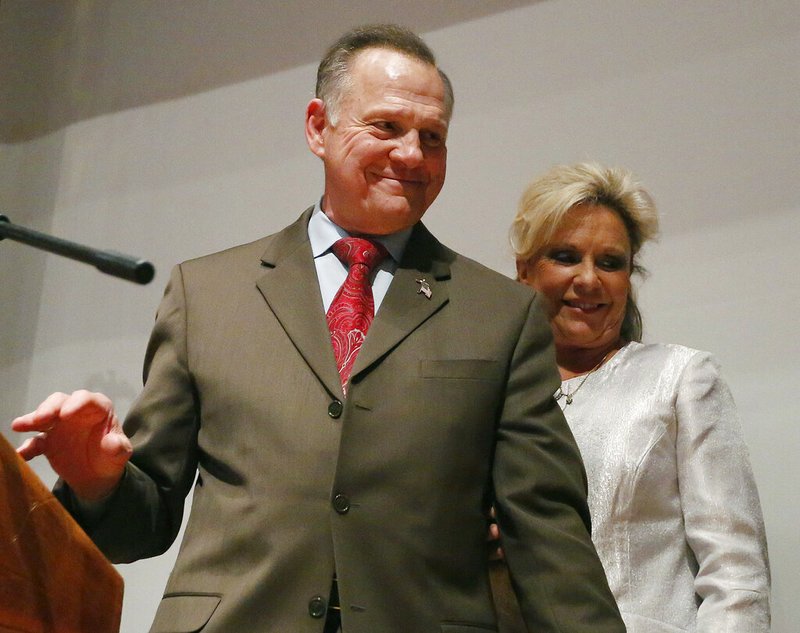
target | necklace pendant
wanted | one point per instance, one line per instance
(569, 398)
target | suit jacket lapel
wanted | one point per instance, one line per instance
(405, 308)
(291, 289)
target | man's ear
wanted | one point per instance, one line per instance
(316, 122)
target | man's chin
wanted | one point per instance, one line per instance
(392, 215)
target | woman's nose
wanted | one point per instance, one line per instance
(586, 276)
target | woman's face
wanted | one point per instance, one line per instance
(584, 275)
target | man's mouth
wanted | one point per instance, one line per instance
(403, 179)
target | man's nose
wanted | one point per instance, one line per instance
(408, 150)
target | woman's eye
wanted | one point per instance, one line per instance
(564, 257)
(612, 263)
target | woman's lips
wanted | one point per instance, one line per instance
(583, 305)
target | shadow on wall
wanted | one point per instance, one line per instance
(62, 62)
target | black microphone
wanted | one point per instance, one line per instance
(110, 262)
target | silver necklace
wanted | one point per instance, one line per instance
(571, 394)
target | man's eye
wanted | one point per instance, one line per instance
(384, 126)
(431, 139)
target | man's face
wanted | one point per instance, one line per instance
(385, 158)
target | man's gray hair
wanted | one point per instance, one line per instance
(333, 74)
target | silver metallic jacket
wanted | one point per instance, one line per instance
(675, 511)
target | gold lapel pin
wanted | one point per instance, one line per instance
(424, 288)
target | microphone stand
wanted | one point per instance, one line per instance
(110, 262)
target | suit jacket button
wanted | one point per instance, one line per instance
(341, 504)
(335, 409)
(317, 607)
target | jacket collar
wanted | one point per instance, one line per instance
(290, 287)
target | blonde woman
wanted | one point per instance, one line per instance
(676, 517)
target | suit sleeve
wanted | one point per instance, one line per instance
(144, 516)
(722, 513)
(540, 488)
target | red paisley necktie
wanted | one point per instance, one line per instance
(353, 307)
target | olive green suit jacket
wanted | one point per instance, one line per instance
(449, 407)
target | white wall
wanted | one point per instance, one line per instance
(167, 130)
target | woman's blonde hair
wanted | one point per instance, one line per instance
(547, 200)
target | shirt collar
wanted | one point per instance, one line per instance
(323, 232)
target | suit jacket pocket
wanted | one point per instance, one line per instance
(185, 612)
(466, 627)
(461, 369)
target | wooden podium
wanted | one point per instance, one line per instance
(52, 577)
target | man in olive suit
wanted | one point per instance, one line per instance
(314, 477)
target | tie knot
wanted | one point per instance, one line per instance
(357, 250)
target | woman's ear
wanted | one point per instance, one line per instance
(316, 122)
(522, 270)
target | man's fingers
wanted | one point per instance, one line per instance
(86, 407)
(32, 447)
(32, 422)
(43, 418)
(80, 407)
(117, 447)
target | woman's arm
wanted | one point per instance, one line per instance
(722, 512)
